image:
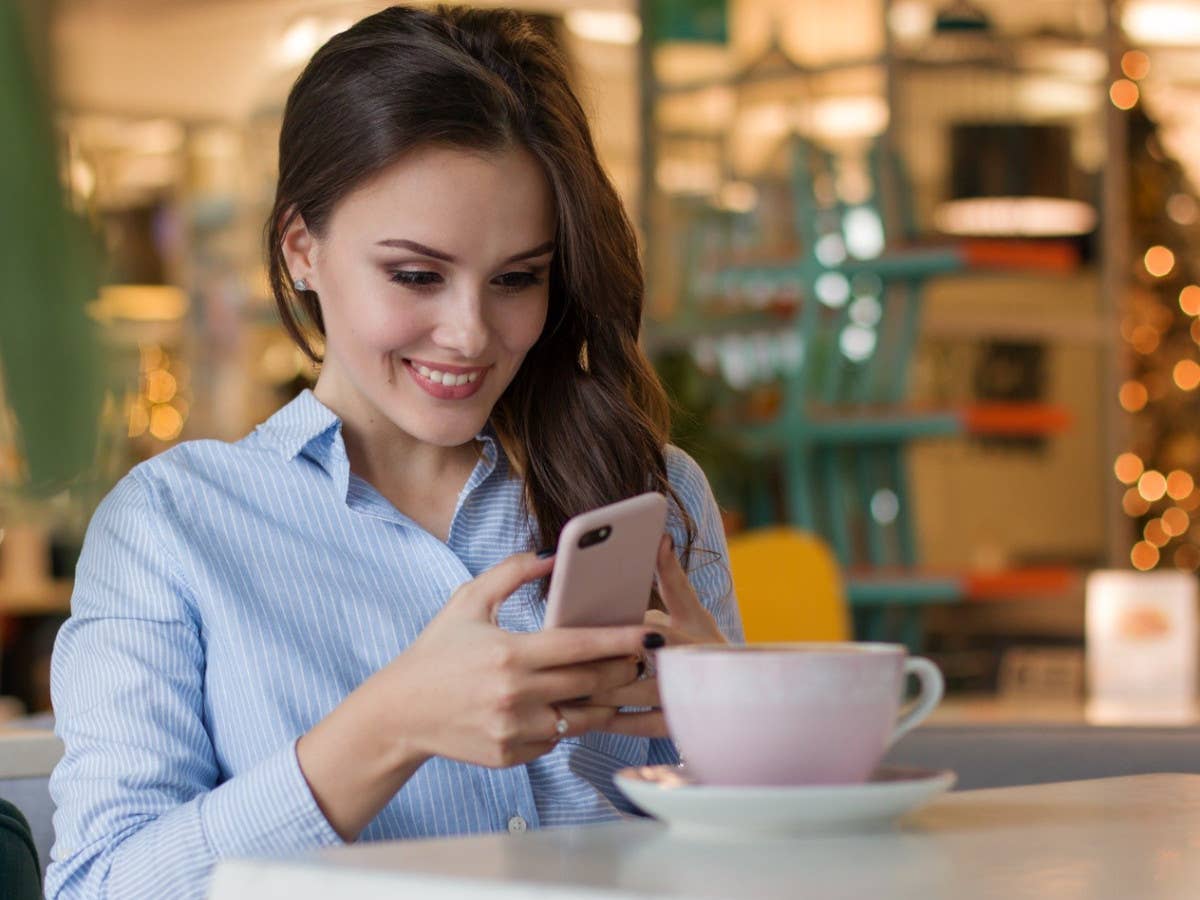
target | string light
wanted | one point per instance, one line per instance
(1128, 468)
(1189, 300)
(1159, 261)
(1135, 64)
(1180, 485)
(1144, 556)
(1134, 504)
(1133, 396)
(1152, 485)
(1187, 374)
(1123, 93)
(1175, 521)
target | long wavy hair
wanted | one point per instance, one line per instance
(585, 420)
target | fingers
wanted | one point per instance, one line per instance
(677, 593)
(642, 693)
(638, 724)
(482, 596)
(543, 721)
(568, 683)
(569, 646)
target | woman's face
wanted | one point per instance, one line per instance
(433, 282)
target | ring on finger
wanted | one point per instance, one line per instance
(560, 723)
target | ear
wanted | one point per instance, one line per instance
(300, 252)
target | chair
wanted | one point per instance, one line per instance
(788, 586)
(22, 876)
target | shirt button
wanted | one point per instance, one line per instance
(517, 824)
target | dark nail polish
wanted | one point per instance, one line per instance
(653, 640)
(546, 553)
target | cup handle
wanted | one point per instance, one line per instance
(932, 688)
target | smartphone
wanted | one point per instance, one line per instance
(604, 566)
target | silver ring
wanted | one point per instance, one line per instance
(560, 724)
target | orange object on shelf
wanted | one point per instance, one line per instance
(1016, 418)
(1015, 584)
(1001, 253)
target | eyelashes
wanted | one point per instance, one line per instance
(424, 280)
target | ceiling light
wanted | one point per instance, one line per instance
(604, 26)
(304, 37)
(1170, 22)
(1020, 216)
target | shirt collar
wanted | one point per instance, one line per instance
(308, 427)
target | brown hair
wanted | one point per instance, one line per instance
(585, 420)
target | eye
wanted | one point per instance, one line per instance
(415, 279)
(517, 281)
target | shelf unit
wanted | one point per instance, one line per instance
(845, 309)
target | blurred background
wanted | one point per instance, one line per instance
(922, 279)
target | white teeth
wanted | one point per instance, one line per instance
(447, 378)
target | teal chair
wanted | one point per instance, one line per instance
(20, 874)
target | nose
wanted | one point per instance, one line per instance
(462, 326)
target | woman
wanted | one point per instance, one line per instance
(330, 630)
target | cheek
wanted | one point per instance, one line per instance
(522, 329)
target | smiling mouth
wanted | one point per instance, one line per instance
(445, 384)
(440, 376)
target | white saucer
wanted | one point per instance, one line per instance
(668, 793)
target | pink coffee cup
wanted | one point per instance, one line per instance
(798, 713)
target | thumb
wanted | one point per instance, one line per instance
(480, 598)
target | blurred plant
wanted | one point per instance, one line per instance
(697, 400)
(49, 353)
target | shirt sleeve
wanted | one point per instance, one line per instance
(142, 809)
(708, 565)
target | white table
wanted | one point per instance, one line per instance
(1132, 838)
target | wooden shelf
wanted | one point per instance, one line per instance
(50, 598)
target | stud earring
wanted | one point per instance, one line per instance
(300, 284)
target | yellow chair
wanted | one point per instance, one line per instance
(788, 587)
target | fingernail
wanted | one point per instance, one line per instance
(653, 640)
(546, 553)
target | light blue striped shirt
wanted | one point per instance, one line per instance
(228, 597)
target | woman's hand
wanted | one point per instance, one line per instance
(465, 690)
(686, 621)
(479, 694)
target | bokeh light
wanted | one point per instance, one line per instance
(1152, 485)
(1175, 521)
(1123, 93)
(1159, 261)
(165, 422)
(1187, 557)
(160, 386)
(1134, 504)
(1187, 374)
(1155, 533)
(1189, 300)
(1145, 339)
(1144, 556)
(1128, 468)
(1180, 485)
(1135, 64)
(1183, 209)
(1133, 396)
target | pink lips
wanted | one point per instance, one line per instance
(444, 391)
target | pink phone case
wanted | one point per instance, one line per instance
(609, 581)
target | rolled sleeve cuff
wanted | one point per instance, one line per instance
(268, 811)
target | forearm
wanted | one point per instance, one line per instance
(266, 811)
(356, 759)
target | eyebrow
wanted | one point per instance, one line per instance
(539, 250)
